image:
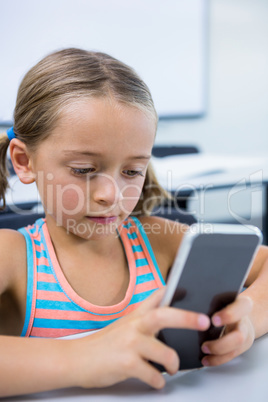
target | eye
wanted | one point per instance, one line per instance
(133, 173)
(82, 171)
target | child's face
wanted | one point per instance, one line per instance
(91, 169)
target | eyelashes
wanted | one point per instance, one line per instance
(82, 171)
(91, 171)
(133, 173)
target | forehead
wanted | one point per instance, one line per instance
(105, 122)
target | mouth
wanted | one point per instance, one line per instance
(104, 220)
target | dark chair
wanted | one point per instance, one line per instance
(13, 220)
(181, 215)
(161, 151)
(175, 215)
(16, 221)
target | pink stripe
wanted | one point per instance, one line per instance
(39, 248)
(139, 254)
(37, 235)
(143, 270)
(55, 332)
(79, 315)
(48, 295)
(41, 276)
(43, 261)
(144, 287)
(134, 242)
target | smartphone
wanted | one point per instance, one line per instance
(209, 271)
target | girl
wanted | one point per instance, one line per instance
(84, 128)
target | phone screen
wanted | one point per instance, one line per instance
(212, 276)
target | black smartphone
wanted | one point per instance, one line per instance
(209, 271)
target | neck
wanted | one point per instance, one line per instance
(68, 241)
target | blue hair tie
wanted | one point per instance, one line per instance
(11, 134)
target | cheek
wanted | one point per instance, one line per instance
(64, 199)
(130, 196)
(69, 202)
(71, 198)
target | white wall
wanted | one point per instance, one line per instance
(237, 117)
(170, 44)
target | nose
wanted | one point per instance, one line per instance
(106, 190)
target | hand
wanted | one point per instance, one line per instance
(238, 335)
(122, 350)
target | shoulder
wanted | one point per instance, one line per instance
(165, 237)
(12, 257)
(260, 263)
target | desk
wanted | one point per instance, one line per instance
(240, 183)
(243, 379)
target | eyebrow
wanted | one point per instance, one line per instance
(87, 153)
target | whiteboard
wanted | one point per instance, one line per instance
(165, 41)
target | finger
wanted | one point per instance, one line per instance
(148, 374)
(169, 317)
(226, 344)
(216, 360)
(236, 339)
(233, 312)
(153, 350)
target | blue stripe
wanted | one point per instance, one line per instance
(30, 279)
(141, 296)
(144, 278)
(132, 236)
(70, 324)
(40, 254)
(53, 287)
(127, 225)
(141, 262)
(44, 269)
(37, 225)
(148, 245)
(37, 242)
(136, 249)
(56, 305)
(68, 306)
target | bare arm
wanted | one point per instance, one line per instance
(257, 283)
(117, 352)
(32, 365)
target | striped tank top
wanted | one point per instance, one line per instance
(54, 309)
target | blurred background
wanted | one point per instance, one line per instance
(236, 121)
(206, 63)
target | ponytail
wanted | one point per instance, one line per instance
(4, 173)
(152, 196)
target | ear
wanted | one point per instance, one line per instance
(21, 161)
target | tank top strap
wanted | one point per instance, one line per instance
(141, 247)
(32, 237)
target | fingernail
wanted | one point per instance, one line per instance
(216, 320)
(205, 362)
(205, 350)
(203, 321)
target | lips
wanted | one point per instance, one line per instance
(104, 220)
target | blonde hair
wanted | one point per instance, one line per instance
(58, 80)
